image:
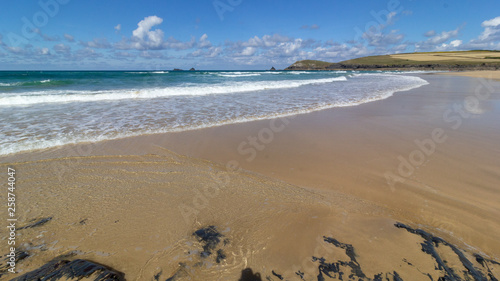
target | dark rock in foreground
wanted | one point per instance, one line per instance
(35, 223)
(77, 269)
(248, 275)
(18, 256)
(351, 269)
(210, 238)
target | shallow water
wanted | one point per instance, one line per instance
(46, 109)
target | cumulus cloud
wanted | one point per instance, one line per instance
(437, 40)
(124, 54)
(118, 27)
(97, 43)
(87, 53)
(378, 36)
(340, 51)
(146, 39)
(443, 36)
(248, 51)
(452, 46)
(69, 38)
(430, 33)
(16, 50)
(211, 52)
(42, 51)
(203, 42)
(266, 41)
(490, 37)
(456, 43)
(62, 49)
(151, 55)
(390, 18)
(173, 43)
(383, 39)
(44, 36)
(287, 49)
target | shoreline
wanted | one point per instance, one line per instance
(339, 157)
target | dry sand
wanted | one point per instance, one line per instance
(319, 174)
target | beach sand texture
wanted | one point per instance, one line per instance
(321, 197)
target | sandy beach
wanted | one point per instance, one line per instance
(291, 198)
(487, 74)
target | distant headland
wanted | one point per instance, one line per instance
(457, 60)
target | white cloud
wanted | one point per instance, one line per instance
(430, 33)
(265, 42)
(212, 52)
(452, 46)
(62, 49)
(456, 43)
(203, 42)
(97, 43)
(248, 51)
(43, 51)
(69, 38)
(173, 43)
(383, 39)
(491, 30)
(16, 50)
(437, 42)
(443, 36)
(124, 54)
(144, 38)
(489, 38)
(118, 27)
(151, 55)
(390, 18)
(44, 36)
(86, 53)
(377, 36)
(492, 22)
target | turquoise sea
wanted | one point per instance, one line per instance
(42, 109)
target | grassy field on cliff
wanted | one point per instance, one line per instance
(456, 59)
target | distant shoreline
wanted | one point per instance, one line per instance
(453, 61)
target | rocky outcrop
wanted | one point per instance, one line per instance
(36, 222)
(272, 69)
(309, 65)
(72, 270)
(451, 262)
(177, 69)
(192, 69)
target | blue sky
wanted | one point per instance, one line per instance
(233, 34)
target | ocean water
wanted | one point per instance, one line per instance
(43, 109)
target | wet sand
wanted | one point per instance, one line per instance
(487, 74)
(428, 157)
